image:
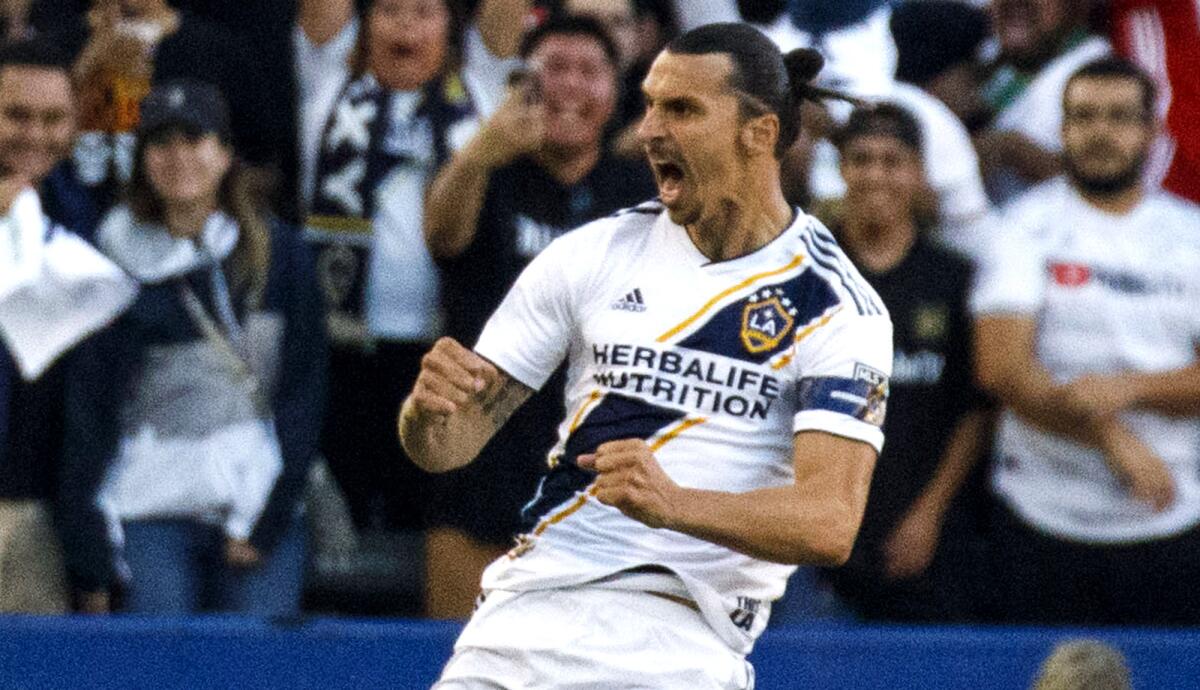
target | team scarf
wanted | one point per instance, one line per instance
(369, 134)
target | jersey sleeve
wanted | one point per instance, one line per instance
(530, 332)
(1011, 275)
(842, 370)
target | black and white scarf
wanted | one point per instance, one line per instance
(369, 133)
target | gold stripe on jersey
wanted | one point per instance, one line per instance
(796, 260)
(801, 335)
(591, 490)
(578, 419)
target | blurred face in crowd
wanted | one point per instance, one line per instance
(578, 89)
(1107, 132)
(37, 120)
(884, 179)
(690, 133)
(1029, 30)
(184, 168)
(618, 19)
(407, 41)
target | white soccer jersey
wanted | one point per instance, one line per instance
(1110, 294)
(715, 364)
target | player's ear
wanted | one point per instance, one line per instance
(759, 134)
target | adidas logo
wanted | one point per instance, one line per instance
(631, 302)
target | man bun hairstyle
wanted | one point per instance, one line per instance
(765, 80)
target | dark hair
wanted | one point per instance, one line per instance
(1113, 67)
(766, 81)
(454, 33)
(34, 53)
(243, 195)
(881, 119)
(570, 25)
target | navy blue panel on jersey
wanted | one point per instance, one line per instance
(835, 394)
(614, 418)
(761, 325)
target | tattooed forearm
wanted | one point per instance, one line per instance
(508, 396)
(439, 443)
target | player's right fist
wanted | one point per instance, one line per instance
(452, 377)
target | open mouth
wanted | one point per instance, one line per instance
(670, 181)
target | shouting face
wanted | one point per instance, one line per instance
(690, 134)
(407, 41)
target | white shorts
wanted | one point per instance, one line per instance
(588, 637)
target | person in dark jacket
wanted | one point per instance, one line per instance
(193, 420)
(36, 127)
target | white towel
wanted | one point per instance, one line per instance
(53, 293)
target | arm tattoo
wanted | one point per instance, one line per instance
(510, 394)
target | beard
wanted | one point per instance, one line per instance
(1108, 184)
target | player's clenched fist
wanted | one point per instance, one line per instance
(451, 378)
(631, 480)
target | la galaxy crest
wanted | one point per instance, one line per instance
(767, 319)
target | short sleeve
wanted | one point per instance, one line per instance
(1010, 279)
(842, 370)
(530, 332)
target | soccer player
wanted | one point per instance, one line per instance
(727, 378)
(1089, 334)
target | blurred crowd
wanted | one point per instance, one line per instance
(232, 229)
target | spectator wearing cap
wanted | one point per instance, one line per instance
(120, 49)
(915, 551)
(192, 421)
(1041, 42)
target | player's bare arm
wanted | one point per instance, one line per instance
(459, 401)
(812, 521)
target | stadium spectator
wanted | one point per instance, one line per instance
(36, 124)
(383, 107)
(911, 560)
(536, 169)
(1042, 42)
(1163, 37)
(937, 43)
(1088, 332)
(120, 48)
(192, 421)
(1083, 665)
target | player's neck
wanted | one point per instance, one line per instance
(569, 166)
(878, 247)
(740, 226)
(1119, 203)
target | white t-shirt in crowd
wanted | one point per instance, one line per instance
(402, 294)
(1110, 294)
(715, 364)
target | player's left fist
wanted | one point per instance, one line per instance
(630, 479)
